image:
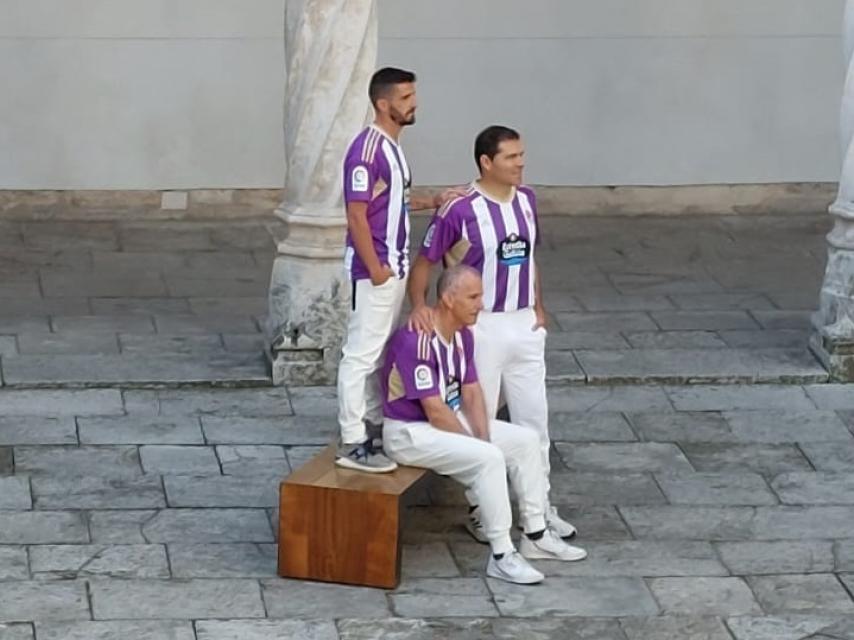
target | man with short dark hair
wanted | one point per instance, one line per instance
(435, 417)
(377, 184)
(493, 228)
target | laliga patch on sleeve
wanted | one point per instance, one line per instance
(423, 377)
(359, 179)
(428, 237)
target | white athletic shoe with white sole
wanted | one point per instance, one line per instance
(550, 547)
(512, 567)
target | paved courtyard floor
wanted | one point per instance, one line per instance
(719, 510)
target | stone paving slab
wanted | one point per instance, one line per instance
(111, 461)
(266, 629)
(765, 338)
(97, 493)
(599, 597)
(15, 493)
(184, 430)
(196, 345)
(98, 630)
(269, 430)
(604, 488)
(119, 527)
(630, 457)
(796, 556)
(184, 460)
(787, 627)
(818, 593)
(830, 456)
(658, 340)
(115, 561)
(181, 599)
(294, 598)
(421, 629)
(8, 346)
(269, 402)
(240, 560)
(590, 427)
(765, 459)
(675, 628)
(738, 397)
(45, 527)
(89, 402)
(208, 525)
(609, 398)
(13, 564)
(434, 597)
(677, 366)
(704, 596)
(248, 460)
(227, 491)
(715, 488)
(428, 560)
(39, 600)
(143, 369)
(814, 488)
(831, 396)
(16, 631)
(787, 426)
(68, 343)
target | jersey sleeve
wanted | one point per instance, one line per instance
(468, 356)
(360, 177)
(444, 231)
(418, 368)
(532, 198)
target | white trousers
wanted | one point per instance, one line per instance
(374, 314)
(510, 359)
(482, 467)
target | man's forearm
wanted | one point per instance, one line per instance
(363, 243)
(421, 200)
(419, 277)
(474, 409)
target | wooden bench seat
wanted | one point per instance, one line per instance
(339, 525)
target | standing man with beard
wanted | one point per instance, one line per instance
(377, 185)
(494, 229)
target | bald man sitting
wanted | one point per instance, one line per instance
(435, 417)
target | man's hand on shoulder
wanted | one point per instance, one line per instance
(421, 319)
(449, 194)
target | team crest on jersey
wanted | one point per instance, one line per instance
(423, 377)
(514, 250)
(428, 237)
(359, 179)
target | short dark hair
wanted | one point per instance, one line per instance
(488, 140)
(384, 79)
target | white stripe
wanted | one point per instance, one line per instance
(366, 143)
(525, 203)
(442, 387)
(395, 198)
(458, 338)
(511, 299)
(406, 180)
(449, 354)
(490, 245)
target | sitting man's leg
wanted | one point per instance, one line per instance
(480, 467)
(523, 459)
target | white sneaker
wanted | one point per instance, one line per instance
(513, 568)
(475, 527)
(550, 547)
(558, 525)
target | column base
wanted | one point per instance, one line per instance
(835, 355)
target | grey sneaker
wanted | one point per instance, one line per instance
(362, 456)
(513, 568)
(558, 525)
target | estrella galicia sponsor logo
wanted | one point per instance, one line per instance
(453, 397)
(513, 250)
(359, 179)
(423, 377)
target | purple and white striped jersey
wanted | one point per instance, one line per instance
(420, 365)
(496, 238)
(375, 172)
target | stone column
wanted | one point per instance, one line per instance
(330, 54)
(833, 336)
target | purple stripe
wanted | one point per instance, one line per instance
(501, 270)
(524, 270)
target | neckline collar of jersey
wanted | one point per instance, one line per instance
(385, 134)
(476, 187)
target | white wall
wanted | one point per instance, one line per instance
(158, 94)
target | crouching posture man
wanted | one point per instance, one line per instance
(435, 417)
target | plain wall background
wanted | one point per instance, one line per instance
(168, 94)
